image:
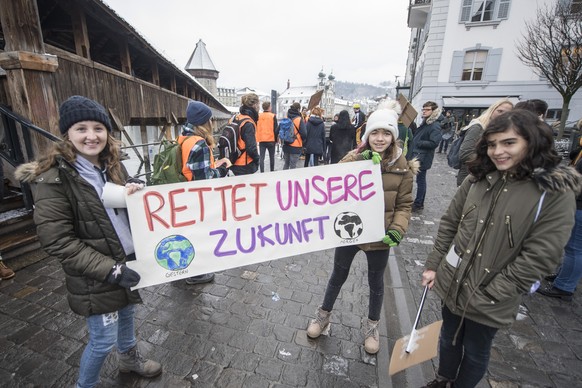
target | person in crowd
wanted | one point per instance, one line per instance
(267, 136)
(405, 136)
(447, 132)
(315, 141)
(5, 271)
(359, 117)
(425, 141)
(492, 242)
(378, 144)
(539, 107)
(197, 157)
(248, 161)
(472, 132)
(292, 151)
(563, 283)
(342, 136)
(92, 242)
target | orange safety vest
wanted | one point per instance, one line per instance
(186, 144)
(243, 159)
(296, 125)
(265, 127)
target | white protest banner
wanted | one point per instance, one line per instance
(191, 228)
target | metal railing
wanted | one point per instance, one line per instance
(13, 127)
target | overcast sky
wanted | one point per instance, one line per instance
(261, 44)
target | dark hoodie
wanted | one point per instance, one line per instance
(315, 142)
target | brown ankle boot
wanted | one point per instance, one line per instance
(319, 324)
(5, 272)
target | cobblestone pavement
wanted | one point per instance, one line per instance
(247, 328)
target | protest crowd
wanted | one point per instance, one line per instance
(511, 229)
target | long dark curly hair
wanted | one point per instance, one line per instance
(540, 144)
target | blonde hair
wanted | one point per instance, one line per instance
(205, 131)
(317, 111)
(110, 157)
(249, 99)
(485, 117)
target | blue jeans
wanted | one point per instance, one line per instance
(466, 361)
(571, 270)
(263, 148)
(290, 161)
(420, 188)
(342, 261)
(105, 330)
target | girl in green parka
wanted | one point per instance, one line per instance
(92, 242)
(504, 229)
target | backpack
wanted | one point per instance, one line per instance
(287, 132)
(453, 158)
(229, 138)
(168, 164)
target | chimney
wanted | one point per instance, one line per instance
(288, 84)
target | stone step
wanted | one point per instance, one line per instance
(15, 220)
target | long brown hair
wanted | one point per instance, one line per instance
(205, 131)
(110, 157)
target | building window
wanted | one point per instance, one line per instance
(473, 65)
(480, 11)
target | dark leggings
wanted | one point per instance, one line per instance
(342, 261)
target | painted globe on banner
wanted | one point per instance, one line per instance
(174, 252)
(348, 225)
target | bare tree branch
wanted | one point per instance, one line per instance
(552, 45)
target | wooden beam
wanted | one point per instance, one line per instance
(80, 32)
(21, 26)
(28, 61)
(155, 74)
(124, 56)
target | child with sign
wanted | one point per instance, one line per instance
(379, 143)
(92, 242)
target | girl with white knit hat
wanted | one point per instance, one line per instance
(379, 143)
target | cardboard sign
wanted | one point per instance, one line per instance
(408, 112)
(315, 99)
(192, 228)
(424, 346)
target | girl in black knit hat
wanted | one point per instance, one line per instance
(92, 242)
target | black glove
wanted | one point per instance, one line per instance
(124, 276)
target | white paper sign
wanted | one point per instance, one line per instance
(113, 196)
(192, 228)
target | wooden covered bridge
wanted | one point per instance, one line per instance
(52, 49)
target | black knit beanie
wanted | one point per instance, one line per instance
(79, 108)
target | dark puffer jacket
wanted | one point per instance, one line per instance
(315, 142)
(73, 226)
(426, 139)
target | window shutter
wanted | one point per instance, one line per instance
(503, 10)
(466, 10)
(492, 66)
(457, 66)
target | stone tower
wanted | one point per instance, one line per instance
(200, 66)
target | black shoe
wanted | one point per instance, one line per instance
(436, 383)
(200, 279)
(416, 207)
(553, 292)
(551, 277)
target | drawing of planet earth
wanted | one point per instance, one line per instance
(174, 252)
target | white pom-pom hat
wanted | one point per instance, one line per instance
(384, 117)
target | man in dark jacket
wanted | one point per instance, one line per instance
(425, 141)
